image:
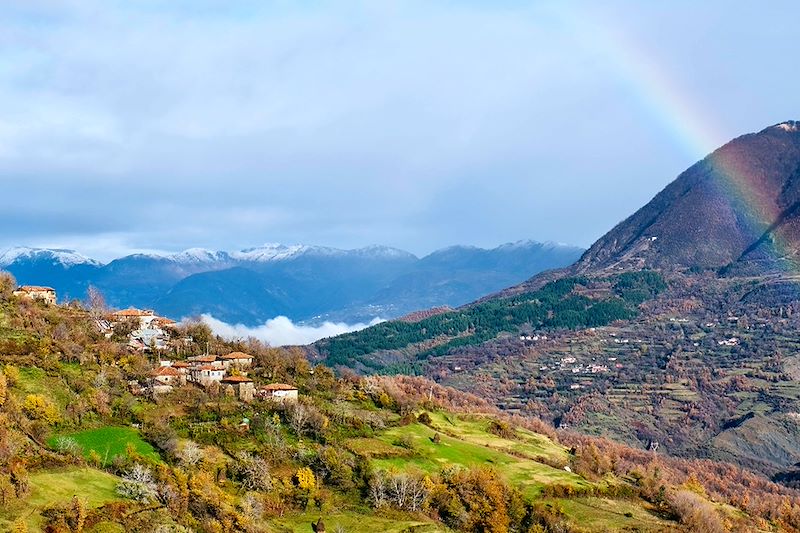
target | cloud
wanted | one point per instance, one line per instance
(415, 124)
(281, 331)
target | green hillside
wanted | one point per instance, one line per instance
(563, 304)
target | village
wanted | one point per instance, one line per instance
(148, 332)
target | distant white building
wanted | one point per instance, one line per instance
(146, 318)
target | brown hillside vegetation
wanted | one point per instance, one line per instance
(78, 410)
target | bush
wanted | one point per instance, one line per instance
(696, 512)
(37, 407)
(69, 446)
(502, 429)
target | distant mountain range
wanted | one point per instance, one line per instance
(305, 283)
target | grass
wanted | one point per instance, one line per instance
(352, 523)
(34, 380)
(375, 448)
(55, 486)
(474, 429)
(110, 441)
(602, 514)
(530, 476)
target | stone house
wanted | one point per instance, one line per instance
(35, 292)
(241, 386)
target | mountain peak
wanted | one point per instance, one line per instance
(67, 258)
(739, 207)
(198, 255)
(789, 125)
(270, 252)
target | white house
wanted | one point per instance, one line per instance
(206, 374)
(166, 375)
(280, 392)
(146, 318)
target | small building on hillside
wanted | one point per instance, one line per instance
(181, 366)
(163, 322)
(202, 360)
(206, 374)
(237, 360)
(167, 375)
(145, 318)
(280, 392)
(240, 386)
(149, 338)
(35, 292)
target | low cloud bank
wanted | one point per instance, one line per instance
(281, 331)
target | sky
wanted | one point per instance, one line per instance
(131, 126)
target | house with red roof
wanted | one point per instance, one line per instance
(279, 392)
(239, 386)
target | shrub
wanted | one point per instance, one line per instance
(502, 429)
(305, 479)
(37, 407)
(696, 512)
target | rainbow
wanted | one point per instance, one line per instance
(660, 95)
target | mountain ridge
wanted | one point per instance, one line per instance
(259, 283)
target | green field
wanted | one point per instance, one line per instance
(110, 441)
(353, 523)
(474, 429)
(603, 514)
(55, 486)
(469, 445)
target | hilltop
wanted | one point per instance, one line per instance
(736, 209)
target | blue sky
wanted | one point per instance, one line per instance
(168, 125)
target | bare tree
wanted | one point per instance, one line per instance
(138, 484)
(299, 415)
(191, 453)
(7, 285)
(253, 472)
(399, 489)
(96, 302)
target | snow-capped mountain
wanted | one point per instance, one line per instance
(271, 252)
(66, 258)
(299, 281)
(199, 256)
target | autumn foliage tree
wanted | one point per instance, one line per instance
(477, 499)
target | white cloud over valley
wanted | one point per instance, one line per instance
(281, 331)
